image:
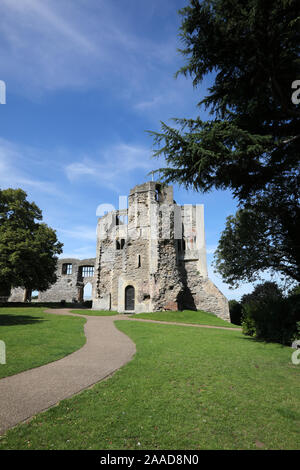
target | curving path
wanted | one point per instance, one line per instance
(106, 350)
(197, 325)
(28, 393)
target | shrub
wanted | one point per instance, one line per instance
(272, 319)
(235, 310)
(262, 292)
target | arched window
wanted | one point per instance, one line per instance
(87, 291)
(129, 298)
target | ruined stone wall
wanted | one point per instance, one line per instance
(17, 295)
(68, 287)
(163, 275)
(200, 293)
(167, 282)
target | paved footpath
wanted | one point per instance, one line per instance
(197, 325)
(106, 350)
(28, 393)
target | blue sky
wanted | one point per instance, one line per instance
(85, 79)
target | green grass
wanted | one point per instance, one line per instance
(34, 338)
(97, 313)
(188, 316)
(186, 388)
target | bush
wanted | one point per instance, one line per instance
(262, 292)
(235, 310)
(273, 319)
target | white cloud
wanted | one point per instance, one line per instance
(114, 166)
(50, 45)
(13, 162)
(80, 232)
(210, 249)
(84, 252)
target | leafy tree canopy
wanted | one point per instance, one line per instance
(251, 145)
(263, 292)
(28, 248)
(262, 235)
(251, 49)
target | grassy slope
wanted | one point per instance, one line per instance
(188, 316)
(186, 388)
(34, 338)
(97, 313)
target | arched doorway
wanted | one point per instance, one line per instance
(129, 298)
(87, 292)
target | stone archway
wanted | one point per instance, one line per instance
(87, 291)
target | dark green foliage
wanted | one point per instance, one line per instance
(267, 315)
(28, 248)
(251, 145)
(252, 47)
(235, 310)
(263, 292)
(272, 320)
(263, 234)
(294, 290)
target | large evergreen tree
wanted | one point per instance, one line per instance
(251, 144)
(28, 248)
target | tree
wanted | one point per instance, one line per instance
(270, 316)
(250, 49)
(235, 309)
(28, 248)
(263, 292)
(263, 235)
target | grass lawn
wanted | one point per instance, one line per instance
(34, 338)
(97, 313)
(188, 316)
(186, 388)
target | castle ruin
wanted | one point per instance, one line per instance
(149, 257)
(152, 256)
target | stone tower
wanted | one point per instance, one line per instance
(152, 257)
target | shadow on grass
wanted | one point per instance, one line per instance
(260, 340)
(49, 305)
(10, 320)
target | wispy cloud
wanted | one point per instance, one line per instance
(84, 252)
(113, 167)
(50, 45)
(13, 162)
(80, 232)
(210, 249)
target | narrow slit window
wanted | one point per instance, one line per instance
(181, 245)
(120, 244)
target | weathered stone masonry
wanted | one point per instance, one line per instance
(153, 257)
(149, 257)
(72, 277)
